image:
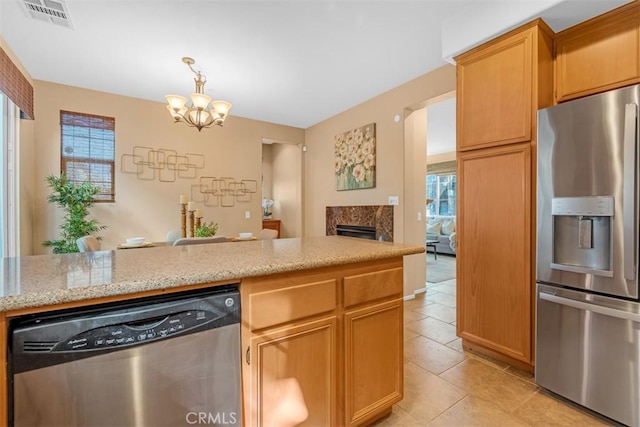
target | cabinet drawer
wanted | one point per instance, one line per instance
(277, 306)
(372, 286)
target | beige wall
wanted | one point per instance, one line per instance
(267, 171)
(319, 188)
(149, 208)
(415, 153)
(287, 188)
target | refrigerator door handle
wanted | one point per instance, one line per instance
(606, 311)
(629, 190)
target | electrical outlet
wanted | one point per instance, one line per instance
(419, 216)
(394, 200)
(247, 214)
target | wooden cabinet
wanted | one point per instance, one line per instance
(373, 356)
(295, 375)
(323, 346)
(600, 54)
(373, 344)
(499, 86)
(289, 335)
(494, 259)
(272, 224)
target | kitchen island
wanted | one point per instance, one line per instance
(325, 312)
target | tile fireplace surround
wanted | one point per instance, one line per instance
(378, 216)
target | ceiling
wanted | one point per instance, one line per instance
(289, 62)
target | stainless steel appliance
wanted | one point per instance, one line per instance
(167, 361)
(588, 313)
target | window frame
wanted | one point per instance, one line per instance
(436, 200)
(9, 182)
(64, 160)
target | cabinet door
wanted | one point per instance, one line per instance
(494, 275)
(494, 96)
(373, 360)
(600, 55)
(293, 375)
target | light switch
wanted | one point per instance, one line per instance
(419, 216)
(247, 214)
(394, 200)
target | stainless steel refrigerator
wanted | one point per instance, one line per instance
(588, 312)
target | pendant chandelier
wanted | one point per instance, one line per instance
(202, 112)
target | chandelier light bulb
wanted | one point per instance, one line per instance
(221, 107)
(176, 102)
(200, 100)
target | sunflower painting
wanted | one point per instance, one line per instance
(355, 158)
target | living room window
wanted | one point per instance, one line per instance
(441, 189)
(88, 151)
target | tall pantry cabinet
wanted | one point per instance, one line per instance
(500, 86)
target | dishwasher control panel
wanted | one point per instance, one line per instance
(70, 335)
(137, 332)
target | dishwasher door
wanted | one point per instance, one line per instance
(588, 350)
(162, 363)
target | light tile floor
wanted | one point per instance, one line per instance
(447, 386)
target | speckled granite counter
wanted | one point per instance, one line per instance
(54, 279)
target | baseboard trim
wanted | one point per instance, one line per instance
(416, 292)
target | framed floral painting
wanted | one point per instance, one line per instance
(355, 158)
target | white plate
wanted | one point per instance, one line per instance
(135, 245)
(135, 240)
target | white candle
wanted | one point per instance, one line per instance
(183, 199)
(191, 206)
(198, 213)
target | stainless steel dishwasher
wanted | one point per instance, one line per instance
(166, 361)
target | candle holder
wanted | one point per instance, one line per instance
(198, 222)
(191, 221)
(183, 220)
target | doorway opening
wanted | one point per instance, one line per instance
(441, 192)
(282, 187)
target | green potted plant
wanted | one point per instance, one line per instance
(206, 229)
(75, 200)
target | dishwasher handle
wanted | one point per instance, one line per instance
(599, 309)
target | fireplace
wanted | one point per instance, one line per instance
(377, 220)
(359, 231)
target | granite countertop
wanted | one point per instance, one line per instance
(35, 281)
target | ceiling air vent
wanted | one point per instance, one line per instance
(53, 11)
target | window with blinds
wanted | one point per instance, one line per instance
(88, 151)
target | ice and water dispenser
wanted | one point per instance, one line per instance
(582, 234)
